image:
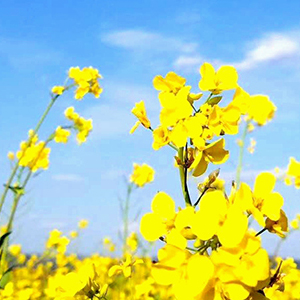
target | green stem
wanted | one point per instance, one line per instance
(241, 155)
(278, 246)
(126, 217)
(183, 177)
(261, 231)
(16, 167)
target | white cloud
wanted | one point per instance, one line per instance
(68, 177)
(188, 63)
(24, 54)
(272, 47)
(140, 40)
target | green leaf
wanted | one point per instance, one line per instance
(6, 278)
(215, 100)
(3, 237)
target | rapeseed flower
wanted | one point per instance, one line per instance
(142, 174)
(224, 79)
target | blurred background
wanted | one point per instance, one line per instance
(130, 42)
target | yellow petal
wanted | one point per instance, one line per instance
(227, 77)
(176, 239)
(163, 205)
(264, 184)
(201, 167)
(234, 228)
(151, 227)
(216, 153)
(114, 270)
(272, 205)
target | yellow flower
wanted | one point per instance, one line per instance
(217, 217)
(295, 224)
(241, 269)
(57, 241)
(161, 137)
(81, 125)
(224, 120)
(192, 127)
(189, 275)
(86, 80)
(263, 201)
(61, 135)
(261, 109)
(216, 82)
(161, 220)
(132, 242)
(125, 267)
(280, 226)
(33, 155)
(294, 171)
(174, 107)
(15, 250)
(214, 153)
(73, 234)
(83, 224)
(140, 112)
(79, 283)
(10, 155)
(58, 90)
(251, 148)
(142, 174)
(172, 83)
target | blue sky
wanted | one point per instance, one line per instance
(130, 42)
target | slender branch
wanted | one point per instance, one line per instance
(126, 215)
(261, 231)
(183, 177)
(241, 155)
(16, 167)
(200, 197)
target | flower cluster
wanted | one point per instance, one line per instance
(81, 125)
(33, 153)
(86, 81)
(142, 174)
(181, 122)
(293, 173)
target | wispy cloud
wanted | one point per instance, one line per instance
(188, 64)
(141, 40)
(23, 54)
(68, 177)
(272, 47)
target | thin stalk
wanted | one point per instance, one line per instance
(261, 231)
(183, 177)
(16, 167)
(126, 216)
(18, 197)
(241, 155)
(278, 246)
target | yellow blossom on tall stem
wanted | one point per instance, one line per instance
(61, 135)
(140, 112)
(142, 174)
(172, 83)
(83, 224)
(125, 267)
(86, 81)
(214, 153)
(263, 201)
(224, 79)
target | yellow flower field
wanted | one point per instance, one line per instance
(209, 246)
